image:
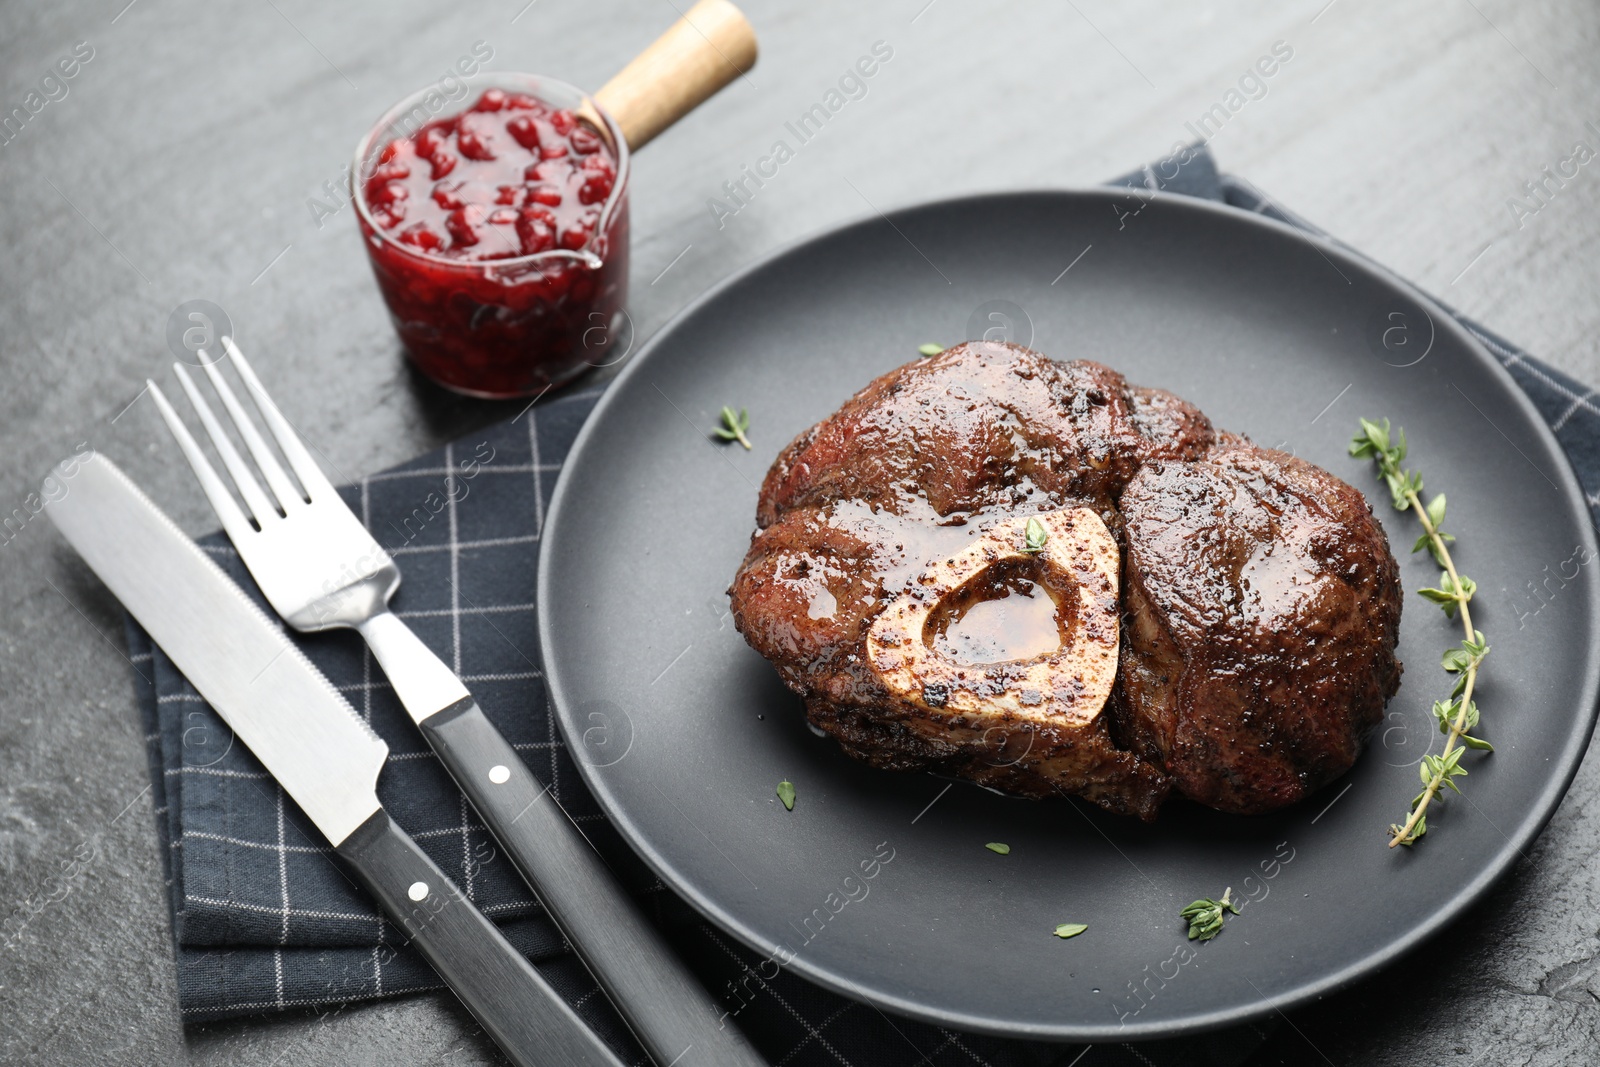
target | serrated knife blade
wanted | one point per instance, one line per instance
(278, 703)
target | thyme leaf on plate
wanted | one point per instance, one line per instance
(734, 426)
(1206, 916)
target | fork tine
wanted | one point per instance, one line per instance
(222, 502)
(238, 469)
(316, 483)
(288, 494)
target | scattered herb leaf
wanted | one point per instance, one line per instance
(1034, 536)
(1000, 847)
(1453, 594)
(733, 426)
(1066, 930)
(1206, 916)
(930, 349)
(786, 793)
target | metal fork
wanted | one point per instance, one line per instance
(320, 569)
(312, 558)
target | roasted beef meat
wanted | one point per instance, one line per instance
(1184, 611)
(1261, 607)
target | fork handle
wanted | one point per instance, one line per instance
(668, 1009)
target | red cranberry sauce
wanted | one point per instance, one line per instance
(512, 176)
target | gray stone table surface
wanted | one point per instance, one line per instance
(179, 165)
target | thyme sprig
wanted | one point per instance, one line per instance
(734, 426)
(1459, 714)
(1205, 916)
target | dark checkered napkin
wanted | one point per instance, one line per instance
(265, 920)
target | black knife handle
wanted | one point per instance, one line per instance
(668, 1009)
(527, 1019)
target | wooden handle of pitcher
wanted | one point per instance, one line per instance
(703, 51)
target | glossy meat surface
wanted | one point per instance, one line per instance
(939, 454)
(983, 425)
(908, 472)
(1261, 609)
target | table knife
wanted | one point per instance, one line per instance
(309, 738)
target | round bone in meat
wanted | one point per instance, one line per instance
(1065, 683)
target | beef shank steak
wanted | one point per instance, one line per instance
(1199, 614)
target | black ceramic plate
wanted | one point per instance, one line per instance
(878, 884)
